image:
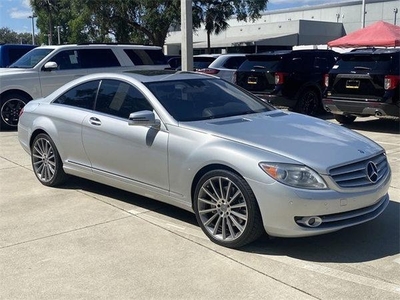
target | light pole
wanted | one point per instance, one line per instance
(33, 27)
(58, 33)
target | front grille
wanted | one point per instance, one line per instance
(356, 174)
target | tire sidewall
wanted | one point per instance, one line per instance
(59, 174)
(252, 207)
(4, 101)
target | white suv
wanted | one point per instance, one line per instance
(44, 69)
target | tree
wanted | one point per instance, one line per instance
(7, 36)
(214, 14)
(46, 10)
(145, 21)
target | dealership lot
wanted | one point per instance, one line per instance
(86, 240)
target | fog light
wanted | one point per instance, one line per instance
(310, 221)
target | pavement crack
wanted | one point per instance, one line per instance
(64, 232)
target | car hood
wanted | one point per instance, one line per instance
(14, 71)
(316, 143)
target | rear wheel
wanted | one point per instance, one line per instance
(344, 119)
(46, 161)
(226, 209)
(309, 103)
(11, 106)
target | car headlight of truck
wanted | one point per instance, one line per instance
(298, 176)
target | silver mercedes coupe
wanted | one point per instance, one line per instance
(204, 145)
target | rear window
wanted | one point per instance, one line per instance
(268, 62)
(146, 56)
(202, 62)
(367, 62)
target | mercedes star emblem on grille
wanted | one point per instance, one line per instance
(372, 172)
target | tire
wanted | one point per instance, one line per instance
(343, 119)
(46, 161)
(309, 103)
(11, 106)
(226, 209)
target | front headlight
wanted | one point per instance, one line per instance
(294, 175)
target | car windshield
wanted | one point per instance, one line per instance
(31, 59)
(200, 99)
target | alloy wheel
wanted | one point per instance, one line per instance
(10, 111)
(44, 160)
(222, 209)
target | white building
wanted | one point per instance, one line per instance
(308, 25)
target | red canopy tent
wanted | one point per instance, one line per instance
(379, 34)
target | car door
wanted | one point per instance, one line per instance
(69, 67)
(118, 150)
(75, 105)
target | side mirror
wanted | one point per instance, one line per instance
(143, 118)
(50, 65)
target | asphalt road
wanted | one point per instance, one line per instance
(89, 241)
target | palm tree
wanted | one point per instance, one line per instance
(215, 14)
(49, 6)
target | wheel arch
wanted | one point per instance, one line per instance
(34, 135)
(205, 170)
(16, 91)
(307, 86)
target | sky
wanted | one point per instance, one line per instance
(14, 14)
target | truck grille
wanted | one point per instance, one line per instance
(362, 173)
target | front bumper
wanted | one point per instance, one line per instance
(361, 108)
(281, 206)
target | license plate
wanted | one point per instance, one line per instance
(252, 80)
(352, 84)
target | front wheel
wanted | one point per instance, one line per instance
(309, 103)
(226, 209)
(46, 161)
(11, 106)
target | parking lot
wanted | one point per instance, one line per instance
(89, 241)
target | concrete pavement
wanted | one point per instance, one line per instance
(89, 241)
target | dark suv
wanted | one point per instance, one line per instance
(365, 82)
(292, 78)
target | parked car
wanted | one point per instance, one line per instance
(364, 82)
(174, 61)
(44, 69)
(292, 78)
(225, 65)
(9, 53)
(203, 144)
(201, 61)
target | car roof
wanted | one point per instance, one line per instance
(88, 45)
(163, 75)
(17, 46)
(373, 51)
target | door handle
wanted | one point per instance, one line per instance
(95, 121)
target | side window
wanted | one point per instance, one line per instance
(98, 58)
(66, 60)
(146, 56)
(120, 99)
(321, 64)
(297, 64)
(82, 96)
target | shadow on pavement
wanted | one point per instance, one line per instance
(378, 125)
(373, 240)
(366, 242)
